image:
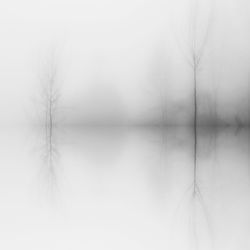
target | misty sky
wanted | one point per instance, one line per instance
(125, 61)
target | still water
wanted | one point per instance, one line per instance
(124, 188)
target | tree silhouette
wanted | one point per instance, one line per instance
(193, 56)
(50, 96)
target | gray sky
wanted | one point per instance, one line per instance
(122, 61)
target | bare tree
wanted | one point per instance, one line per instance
(158, 82)
(50, 96)
(193, 58)
(50, 91)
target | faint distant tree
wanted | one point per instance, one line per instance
(50, 96)
(50, 91)
(158, 82)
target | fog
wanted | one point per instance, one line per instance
(127, 62)
(125, 124)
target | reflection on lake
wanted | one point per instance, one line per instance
(125, 188)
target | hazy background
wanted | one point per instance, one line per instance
(125, 61)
